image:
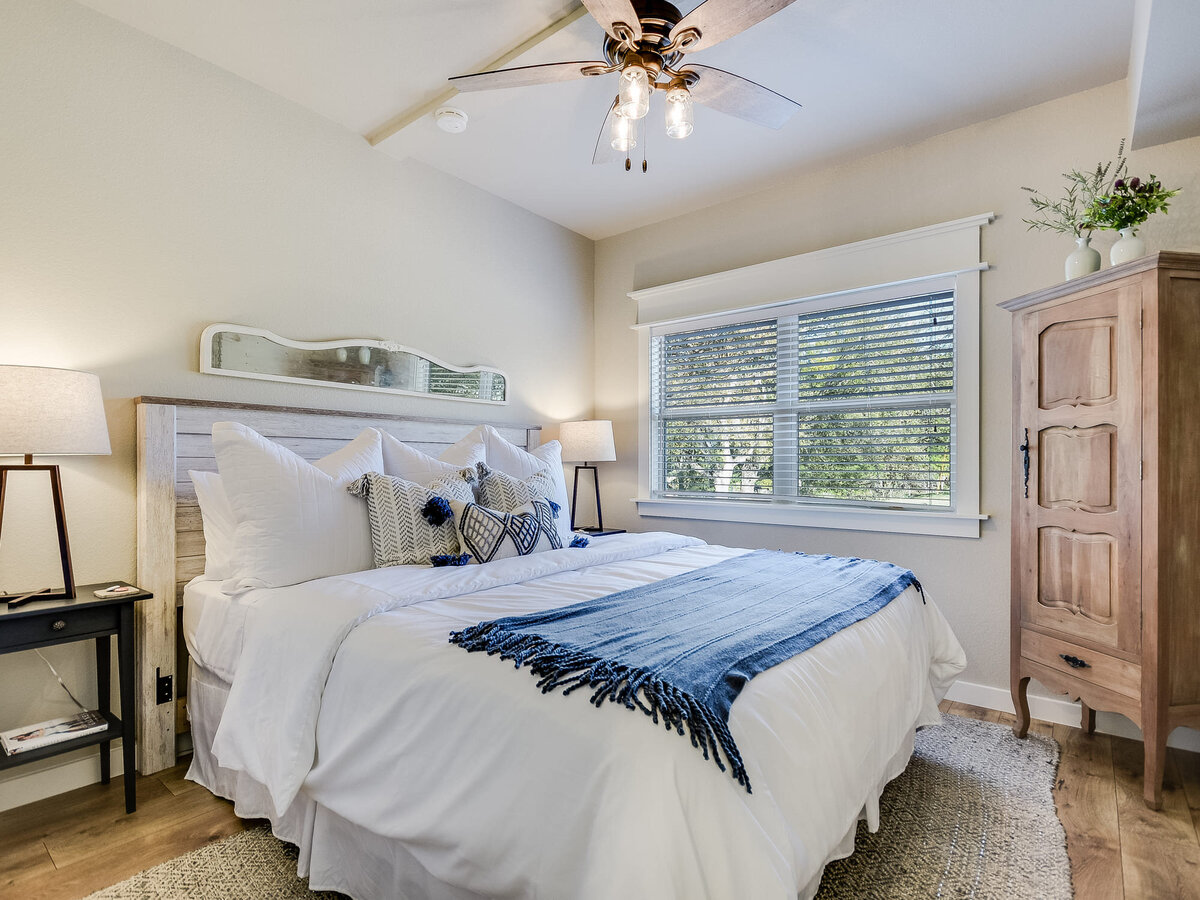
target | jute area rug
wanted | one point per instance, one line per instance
(971, 817)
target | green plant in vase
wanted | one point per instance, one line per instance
(1070, 214)
(1126, 205)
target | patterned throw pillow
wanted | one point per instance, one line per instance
(489, 534)
(401, 531)
(507, 492)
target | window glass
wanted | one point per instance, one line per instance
(850, 405)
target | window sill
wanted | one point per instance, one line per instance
(906, 521)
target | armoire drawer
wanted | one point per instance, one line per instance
(1081, 662)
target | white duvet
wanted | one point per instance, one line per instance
(348, 690)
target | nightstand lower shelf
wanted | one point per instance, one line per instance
(114, 730)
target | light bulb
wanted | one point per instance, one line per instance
(679, 111)
(634, 92)
(624, 133)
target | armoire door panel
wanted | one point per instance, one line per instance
(1077, 585)
(1078, 361)
(1080, 528)
(1078, 468)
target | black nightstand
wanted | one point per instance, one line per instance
(593, 531)
(44, 623)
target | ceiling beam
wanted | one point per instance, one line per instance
(402, 120)
(1164, 80)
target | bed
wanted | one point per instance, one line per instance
(402, 766)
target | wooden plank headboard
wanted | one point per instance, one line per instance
(175, 436)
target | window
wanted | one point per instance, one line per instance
(849, 405)
(834, 405)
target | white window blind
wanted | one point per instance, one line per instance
(850, 405)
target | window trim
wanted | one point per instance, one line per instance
(839, 276)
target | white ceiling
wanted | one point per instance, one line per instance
(869, 73)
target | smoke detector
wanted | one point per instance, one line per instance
(451, 119)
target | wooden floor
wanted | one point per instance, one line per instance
(76, 843)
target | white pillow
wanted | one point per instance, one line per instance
(467, 451)
(507, 457)
(219, 522)
(295, 520)
(409, 463)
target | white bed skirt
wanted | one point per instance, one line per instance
(337, 855)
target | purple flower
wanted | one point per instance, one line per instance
(1134, 182)
(1119, 183)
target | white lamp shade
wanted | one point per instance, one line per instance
(51, 412)
(590, 441)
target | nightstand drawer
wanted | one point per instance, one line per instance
(1080, 662)
(59, 625)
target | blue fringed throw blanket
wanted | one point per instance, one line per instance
(683, 648)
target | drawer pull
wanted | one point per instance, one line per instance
(1074, 661)
(58, 624)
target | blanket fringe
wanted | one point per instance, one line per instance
(556, 666)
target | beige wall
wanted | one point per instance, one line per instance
(145, 194)
(973, 170)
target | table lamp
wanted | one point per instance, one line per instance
(587, 442)
(49, 412)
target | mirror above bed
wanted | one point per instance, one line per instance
(359, 364)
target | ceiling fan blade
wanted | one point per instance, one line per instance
(523, 76)
(717, 20)
(737, 96)
(604, 153)
(610, 13)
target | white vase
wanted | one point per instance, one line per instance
(1084, 259)
(1129, 247)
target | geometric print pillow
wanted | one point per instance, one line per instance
(507, 492)
(401, 533)
(489, 534)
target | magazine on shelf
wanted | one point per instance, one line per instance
(52, 731)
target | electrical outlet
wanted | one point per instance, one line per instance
(164, 688)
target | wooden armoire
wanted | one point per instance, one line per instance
(1106, 497)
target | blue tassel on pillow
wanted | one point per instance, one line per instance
(554, 507)
(437, 511)
(450, 559)
(579, 541)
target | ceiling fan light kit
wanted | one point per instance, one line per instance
(679, 110)
(633, 99)
(646, 43)
(624, 133)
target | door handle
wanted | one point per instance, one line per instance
(1024, 448)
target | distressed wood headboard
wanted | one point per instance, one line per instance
(175, 436)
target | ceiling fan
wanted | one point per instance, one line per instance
(647, 41)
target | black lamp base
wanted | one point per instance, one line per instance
(64, 550)
(599, 526)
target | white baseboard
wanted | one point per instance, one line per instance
(1063, 712)
(56, 775)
